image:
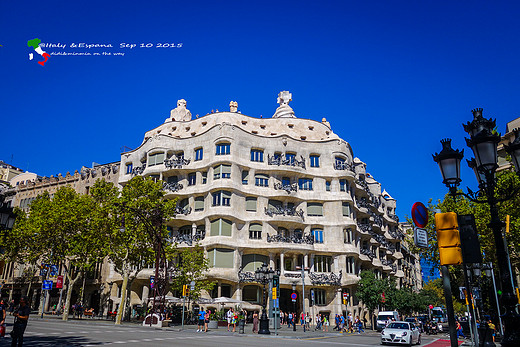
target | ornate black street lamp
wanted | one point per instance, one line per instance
(484, 141)
(264, 275)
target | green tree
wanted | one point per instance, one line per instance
(370, 290)
(191, 265)
(135, 222)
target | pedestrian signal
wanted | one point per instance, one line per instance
(448, 238)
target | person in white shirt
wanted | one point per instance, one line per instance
(229, 316)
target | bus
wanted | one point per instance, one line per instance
(438, 315)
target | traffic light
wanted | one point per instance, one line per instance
(185, 290)
(448, 238)
(275, 296)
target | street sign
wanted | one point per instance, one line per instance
(420, 237)
(54, 270)
(59, 282)
(276, 303)
(420, 214)
(462, 294)
(152, 281)
(293, 297)
(192, 285)
(47, 285)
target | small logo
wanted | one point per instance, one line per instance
(35, 43)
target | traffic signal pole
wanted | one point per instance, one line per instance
(449, 305)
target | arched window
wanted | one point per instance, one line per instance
(255, 231)
(223, 148)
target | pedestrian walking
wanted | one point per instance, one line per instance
(3, 314)
(255, 322)
(289, 320)
(229, 317)
(21, 315)
(359, 325)
(492, 328)
(326, 324)
(234, 321)
(308, 321)
(202, 315)
(206, 321)
(459, 330)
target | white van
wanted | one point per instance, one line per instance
(383, 317)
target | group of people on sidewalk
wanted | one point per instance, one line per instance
(21, 316)
(321, 322)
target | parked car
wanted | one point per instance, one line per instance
(415, 320)
(402, 333)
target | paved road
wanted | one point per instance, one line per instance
(52, 332)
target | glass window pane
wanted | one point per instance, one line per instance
(251, 204)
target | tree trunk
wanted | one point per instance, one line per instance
(29, 289)
(70, 286)
(122, 303)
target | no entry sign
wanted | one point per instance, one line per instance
(420, 214)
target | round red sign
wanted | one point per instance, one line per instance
(420, 214)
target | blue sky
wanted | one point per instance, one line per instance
(392, 77)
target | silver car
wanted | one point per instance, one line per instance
(402, 333)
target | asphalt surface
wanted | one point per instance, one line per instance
(50, 331)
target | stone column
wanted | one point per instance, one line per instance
(306, 261)
(282, 265)
(312, 263)
(239, 292)
(193, 229)
(339, 301)
(146, 293)
(219, 289)
(336, 265)
(271, 261)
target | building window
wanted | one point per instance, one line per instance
(315, 161)
(322, 263)
(340, 162)
(155, 178)
(305, 183)
(245, 176)
(220, 227)
(257, 155)
(351, 265)
(155, 159)
(290, 157)
(314, 209)
(255, 231)
(261, 180)
(347, 235)
(223, 148)
(129, 168)
(318, 235)
(192, 179)
(251, 204)
(199, 203)
(184, 205)
(222, 171)
(327, 186)
(252, 294)
(342, 185)
(173, 179)
(320, 297)
(286, 181)
(222, 198)
(199, 153)
(251, 262)
(221, 257)
(345, 207)
(204, 177)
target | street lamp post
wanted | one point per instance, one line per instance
(264, 275)
(484, 141)
(295, 318)
(303, 269)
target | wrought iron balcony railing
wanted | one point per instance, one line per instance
(394, 217)
(284, 211)
(183, 210)
(326, 278)
(279, 160)
(343, 166)
(176, 163)
(362, 203)
(364, 227)
(287, 187)
(246, 276)
(138, 170)
(173, 187)
(305, 239)
(188, 239)
(368, 253)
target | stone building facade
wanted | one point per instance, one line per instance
(283, 191)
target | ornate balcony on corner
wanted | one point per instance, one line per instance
(287, 187)
(394, 217)
(284, 211)
(362, 203)
(176, 163)
(364, 227)
(343, 166)
(138, 170)
(325, 279)
(291, 161)
(368, 253)
(173, 187)
(305, 239)
(246, 276)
